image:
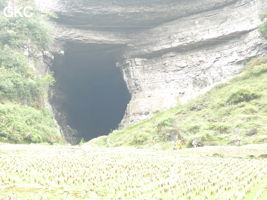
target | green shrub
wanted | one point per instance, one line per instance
(218, 155)
(242, 95)
(249, 109)
(210, 139)
(168, 134)
(263, 29)
(17, 81)
(189, 143)
(221, 128)
(82, 141)
(13, 61)
(140, 138)
(20, 85)
(24, 32)
(255, 62)
(194, 129)
(165, 123)
(23, 124)
(259, 70)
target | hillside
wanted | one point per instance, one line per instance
(24, 116)
(233, 109)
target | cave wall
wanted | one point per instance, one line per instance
(175, 49)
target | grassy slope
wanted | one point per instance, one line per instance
(229, 110)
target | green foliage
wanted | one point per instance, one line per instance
(194, 129)
(18, 82)
(257, 61)
(217, 155)
(23, 124)
(263, 29)
(214, 118)
(260, 69)
(220, 128)
(82, 141)
(211, 139)
(139, 139)
(22, 89)
(20, 32)
(242, 95)
(13, 61)
(165, 123)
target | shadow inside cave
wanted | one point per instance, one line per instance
(90, 91)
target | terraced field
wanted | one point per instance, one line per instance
(34, 172)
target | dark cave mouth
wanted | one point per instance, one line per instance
(90, 91)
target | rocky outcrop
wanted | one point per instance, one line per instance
(175, 49)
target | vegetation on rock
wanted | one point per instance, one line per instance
(24, 124)
(228, 111)
(22, 89)
(263, 27)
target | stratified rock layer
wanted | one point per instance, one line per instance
(175, 49)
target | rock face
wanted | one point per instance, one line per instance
(176, 49)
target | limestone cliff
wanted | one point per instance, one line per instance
(175, 49)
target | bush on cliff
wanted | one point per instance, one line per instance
(23, 91)
(24, 124)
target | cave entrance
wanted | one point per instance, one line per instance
(91, 95)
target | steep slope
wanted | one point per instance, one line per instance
(233, 109)
(25, 116)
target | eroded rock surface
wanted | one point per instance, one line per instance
(175, 49)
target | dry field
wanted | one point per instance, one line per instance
(35, 172)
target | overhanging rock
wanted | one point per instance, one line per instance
(175, 49)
